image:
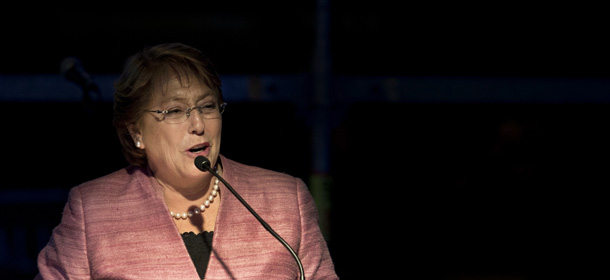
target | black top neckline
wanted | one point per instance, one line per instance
(199, 247)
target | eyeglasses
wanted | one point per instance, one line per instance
(179, 115)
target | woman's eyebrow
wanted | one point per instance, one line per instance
(205, 96)
(173, 100)
(185, 98)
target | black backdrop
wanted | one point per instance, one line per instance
(426, 190)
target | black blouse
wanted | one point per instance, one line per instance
(199, 247)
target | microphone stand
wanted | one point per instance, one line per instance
(205, 164)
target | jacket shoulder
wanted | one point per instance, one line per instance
(113, 185)
(246, 172)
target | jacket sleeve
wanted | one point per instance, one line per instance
(65, 256)
(313, 250)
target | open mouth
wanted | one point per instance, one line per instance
(198, 148)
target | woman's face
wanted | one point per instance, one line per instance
(171, 148)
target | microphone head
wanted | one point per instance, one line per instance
(72, 69)
(69, 63)
(202, 163)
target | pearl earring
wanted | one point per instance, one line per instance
(138, 144)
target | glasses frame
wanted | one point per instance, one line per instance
(163, 113)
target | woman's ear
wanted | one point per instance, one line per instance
(134, 131)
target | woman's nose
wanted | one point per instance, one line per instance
(196, 121)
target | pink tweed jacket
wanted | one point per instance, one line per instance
(118, 227)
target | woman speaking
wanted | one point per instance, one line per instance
(163, 218)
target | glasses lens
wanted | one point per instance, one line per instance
(211, 111)
(175, 116)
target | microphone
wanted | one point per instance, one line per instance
(203, 164)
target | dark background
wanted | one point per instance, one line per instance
(468, 189)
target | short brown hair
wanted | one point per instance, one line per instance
(148, 71)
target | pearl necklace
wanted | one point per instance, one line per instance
(200, 209)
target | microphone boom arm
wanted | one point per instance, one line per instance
(204, 165)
